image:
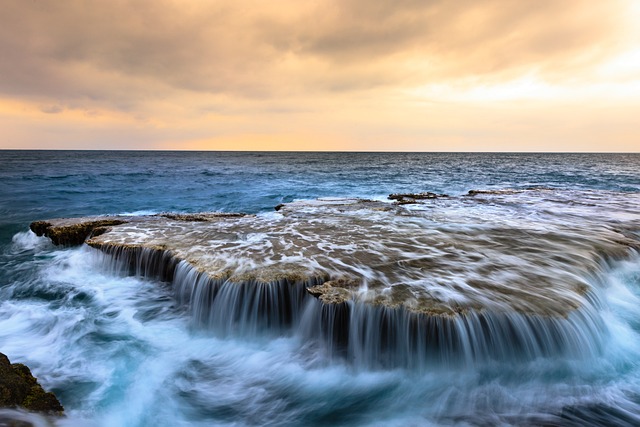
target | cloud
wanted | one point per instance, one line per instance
(123, 51)
(257, 67)
(52, 109)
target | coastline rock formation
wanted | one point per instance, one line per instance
(377, 252)
(484, 275)
(20, 389)
(73, 232)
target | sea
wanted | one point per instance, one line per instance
(120, 350)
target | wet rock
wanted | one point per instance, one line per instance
(409, 198)
(74, 232)
(444, 261)
(18, 388)
(202, 217)
(492, 192)
(334, 291)
(463, 278)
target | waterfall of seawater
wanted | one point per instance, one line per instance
(366, 335)
(137, 338)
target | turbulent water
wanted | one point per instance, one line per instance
(125, 350)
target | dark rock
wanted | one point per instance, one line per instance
(493, 192)
(201, 217)
(278, 207)
(408, 198)
(18, 388)
(72, 234)
(40, 227)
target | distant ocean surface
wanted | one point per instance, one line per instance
(119, 352)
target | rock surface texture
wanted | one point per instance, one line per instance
(442, 256)
(19, 389)
(446, 280)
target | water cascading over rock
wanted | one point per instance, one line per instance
(448, 280)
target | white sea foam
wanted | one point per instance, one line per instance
(28, 241)
(141, 212)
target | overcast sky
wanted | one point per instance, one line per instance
(364, 75)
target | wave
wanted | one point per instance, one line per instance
(28, 241)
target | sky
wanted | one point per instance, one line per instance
(321, 75)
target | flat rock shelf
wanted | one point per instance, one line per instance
(423, 279)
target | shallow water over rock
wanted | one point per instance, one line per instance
(448, 280)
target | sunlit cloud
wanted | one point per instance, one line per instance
(330, 74)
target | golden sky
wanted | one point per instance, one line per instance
(358, 75)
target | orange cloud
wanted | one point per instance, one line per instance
(375, 74)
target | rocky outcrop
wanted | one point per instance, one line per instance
(73, 232)
(440, 262)
(410, 198)
(19, 389)
(506, 191)
(201, 217)
(501, 192)
(466, 277)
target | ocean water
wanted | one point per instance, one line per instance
(121, 350)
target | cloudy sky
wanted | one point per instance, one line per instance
(363, 75)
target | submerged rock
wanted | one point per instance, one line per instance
(19, 389)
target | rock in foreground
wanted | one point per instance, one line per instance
(18, 388)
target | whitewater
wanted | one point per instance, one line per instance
(126, 347)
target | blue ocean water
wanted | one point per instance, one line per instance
(119, 351)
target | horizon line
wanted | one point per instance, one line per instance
(315, 151)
